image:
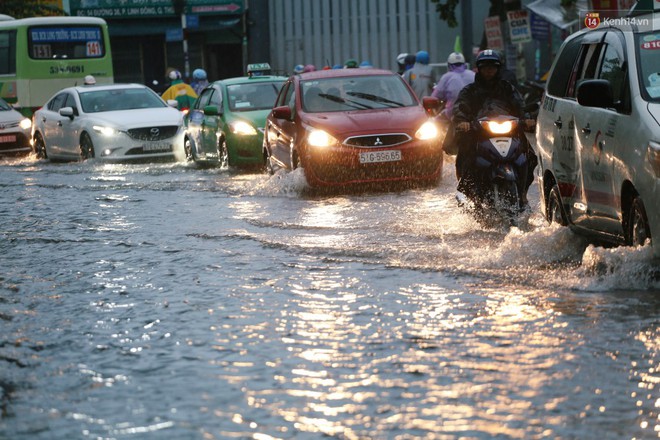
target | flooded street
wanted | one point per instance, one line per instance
(164, 301)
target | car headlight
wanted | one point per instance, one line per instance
(25, 124)
(428, 130)
(106, 131)
(495, 127)
(320, 138)
(242, 128)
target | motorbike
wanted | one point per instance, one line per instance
(493, 188)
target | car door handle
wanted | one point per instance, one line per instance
(59, 123)
(558, 123)
(586, 130)
(43, 119)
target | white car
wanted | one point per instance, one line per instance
(118, 122)
(598, 133)
(14, 131)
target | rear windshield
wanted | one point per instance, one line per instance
(648, 48)
(355, 93)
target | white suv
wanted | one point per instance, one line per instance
(598, 132)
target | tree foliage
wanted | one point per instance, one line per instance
(28, 8)
(447, 11)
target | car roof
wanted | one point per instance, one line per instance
(250, 79)
(338, 73)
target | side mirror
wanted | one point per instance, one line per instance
(67, 112)
(282, 112)
(212, 110)
(173, 103)
(431, 104)
(595, 93)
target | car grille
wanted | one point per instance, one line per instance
(153, 133)
(422, 169)
(378, 140)
(6, 125)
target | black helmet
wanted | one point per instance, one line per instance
(488, 56)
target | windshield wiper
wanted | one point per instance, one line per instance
(348, 103)
(375, 98)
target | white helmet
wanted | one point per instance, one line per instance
(456, 58)
(401, 58)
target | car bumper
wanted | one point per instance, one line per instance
(420, 161)
(126, 148)
(245, 150)
(15, 143)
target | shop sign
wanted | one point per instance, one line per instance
(151, 8)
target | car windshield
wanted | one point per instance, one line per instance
(649, 65)
(253, 96)
(4, 106)
(355, 93)
(96, 101)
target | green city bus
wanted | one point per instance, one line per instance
(41, 55)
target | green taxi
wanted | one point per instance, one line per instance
(225, 125)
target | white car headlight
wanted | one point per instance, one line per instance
(428, 130)
(242, 128)
(106, 131)
(25, 124)
(320, 138)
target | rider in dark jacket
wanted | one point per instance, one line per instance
(488, 89)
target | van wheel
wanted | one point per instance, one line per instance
(637, 227)
(86, 147)
(40, 147)
(554, 209)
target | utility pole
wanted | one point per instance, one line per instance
(180, 9)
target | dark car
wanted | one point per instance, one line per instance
(353, 126)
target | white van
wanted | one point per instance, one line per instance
(598, 132)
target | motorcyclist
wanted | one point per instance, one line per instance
(200, 80)
(488, 87)
(181, 92)
(421, 77)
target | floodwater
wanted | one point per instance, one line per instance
(164, 301)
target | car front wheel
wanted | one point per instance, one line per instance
(40, 147)
(638, 225)
(86, 147)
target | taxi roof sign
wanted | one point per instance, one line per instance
(258, 69)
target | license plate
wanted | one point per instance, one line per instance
(8, 138)
(380, 156)
(157, 146)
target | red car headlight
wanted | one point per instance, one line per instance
(428, 131)
(321, 138)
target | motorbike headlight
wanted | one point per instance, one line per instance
(242, 128)
(427, 131)
(321, 138)
(495, 127)
(25, 124)
(106, 131)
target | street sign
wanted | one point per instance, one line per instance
(519, 28)
(493, 33)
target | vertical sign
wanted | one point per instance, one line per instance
(493, 33)
(519, 28)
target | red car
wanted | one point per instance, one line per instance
(353, 126)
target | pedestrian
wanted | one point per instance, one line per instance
(200, 80)
(421, 77)
(179, 91)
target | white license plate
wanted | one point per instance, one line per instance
(8, 138)
(380, 156)
(157, 146)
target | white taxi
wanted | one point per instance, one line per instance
(598, 133)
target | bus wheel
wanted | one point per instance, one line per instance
(86, 147)
(40, 147)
